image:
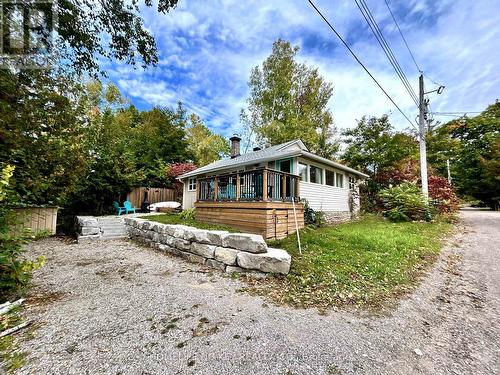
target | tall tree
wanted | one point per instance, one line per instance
(288, 100)
(476, 170)
(205, 146)
(42, 127)
(111, 29)
(373, 145)
(160, 139)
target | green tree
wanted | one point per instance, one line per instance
(42, 127)
(160, 139)
(373, 145)
(475, 169)
(111, 29)
(205, 146)
(288, 100)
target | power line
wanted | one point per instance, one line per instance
(372, 23)
(403, 37)
(359, 61)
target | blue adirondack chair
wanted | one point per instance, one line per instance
(128, 207)
(119, 210)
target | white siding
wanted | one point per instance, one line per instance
(188, 197)
(325, 198)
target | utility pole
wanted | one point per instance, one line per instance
(421, 139)
(448, 169)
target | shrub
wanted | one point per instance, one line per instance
(15, 271)
(312, 217)
(442, 195)
(404, 203)
(188, 215)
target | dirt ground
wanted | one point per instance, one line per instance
(118, 308)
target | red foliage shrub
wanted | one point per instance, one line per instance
(178, 169)
(442, 194)
(407, 170)
(175, 170)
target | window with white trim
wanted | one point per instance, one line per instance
(192, 184)
(340, 180)
(352, 183)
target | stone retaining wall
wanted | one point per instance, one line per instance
(229, 252)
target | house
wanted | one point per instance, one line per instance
(261, 191)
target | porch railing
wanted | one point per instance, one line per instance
(259, 185)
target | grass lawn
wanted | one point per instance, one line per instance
(358, 263)
(177, 219)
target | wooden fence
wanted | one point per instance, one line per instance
(38, 219)
(155, 195)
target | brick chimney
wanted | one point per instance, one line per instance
(235, 146)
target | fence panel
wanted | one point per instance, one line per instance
(38, 219)
(155, 195)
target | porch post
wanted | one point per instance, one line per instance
(216, 188)
(197, 190)
(264, 185)
(283, 187)
(238, 187)
(297, 187)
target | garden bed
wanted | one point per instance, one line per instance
(359, 263)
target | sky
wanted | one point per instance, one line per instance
(208, 47)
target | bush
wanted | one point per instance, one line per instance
(188, 214)
(312, 217)
(442, 195)
(15, 271)
(404, 203)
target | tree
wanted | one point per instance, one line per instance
(476, 166)
(373, 145)
(205, 146)
(288, 100)
(160, 139)
(110, 29)
(42, 126)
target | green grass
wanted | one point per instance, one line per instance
(359, 263)
(177, 219)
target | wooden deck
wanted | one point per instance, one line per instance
(272, 220)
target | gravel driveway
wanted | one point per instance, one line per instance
(119, 308)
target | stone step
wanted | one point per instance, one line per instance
(111, 226)
(114, 237)
(114, 231)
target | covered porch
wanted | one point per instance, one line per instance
(260, 201)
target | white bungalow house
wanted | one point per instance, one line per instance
(273, 180)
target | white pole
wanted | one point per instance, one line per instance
(296, 225)
(421, 138)
(448, 168)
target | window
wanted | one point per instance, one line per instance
(315, 174)
(303, 172)
(352, 183)
(285, 166)
(192, 184)
(340, 180)
(330, 178)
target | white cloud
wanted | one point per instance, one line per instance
(207, 48)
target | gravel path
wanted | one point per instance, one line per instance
(119, 308)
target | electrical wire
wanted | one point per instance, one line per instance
(359, 62)
(372, 23)
(403, 37)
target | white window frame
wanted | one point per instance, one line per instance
(352, 183)
(192, 184)
(337, 180)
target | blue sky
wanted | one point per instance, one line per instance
(208, 47)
